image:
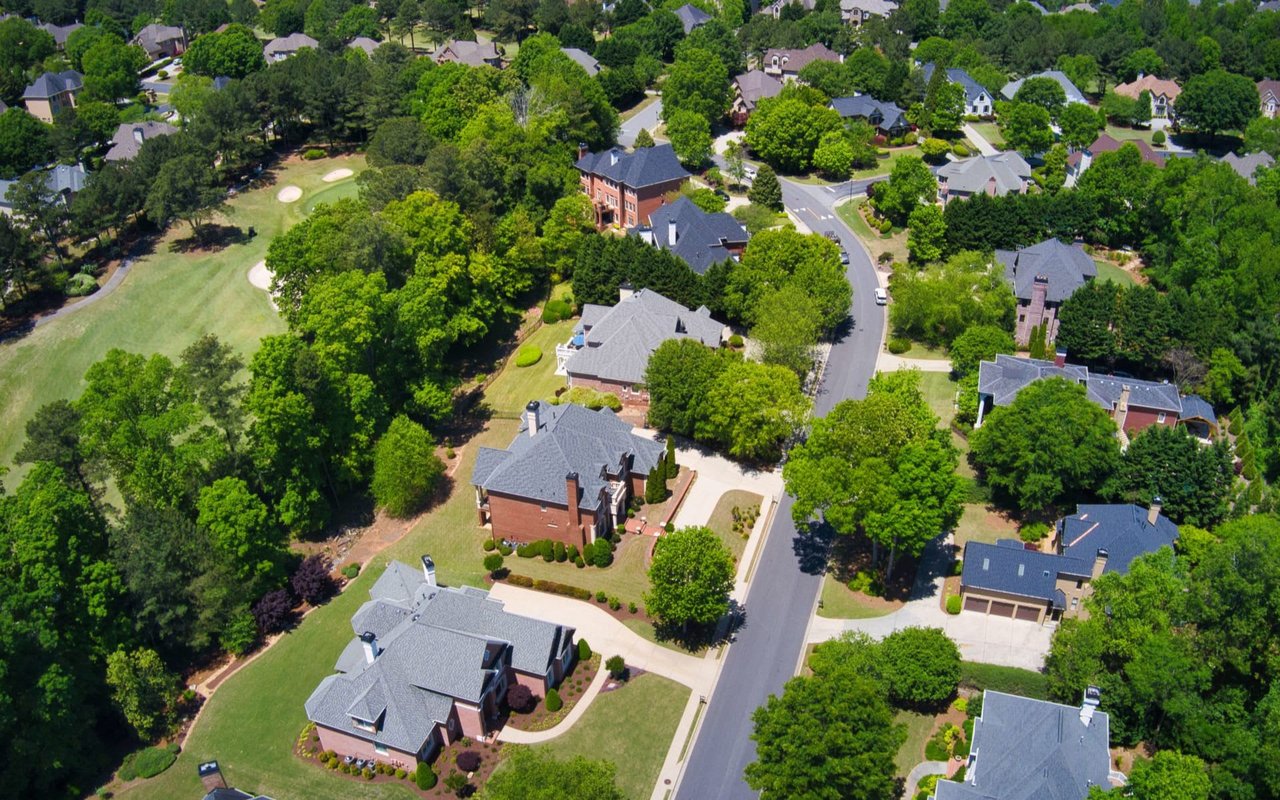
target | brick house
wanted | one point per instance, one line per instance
(52, 92)
(998, 175)
(161, 41)
(1132, 403)
(1007, 580)
(610, 347)
(283, 47)
(785, 64)
(701, 239)
(887, 118)
(568, 475)
(430, 664)
(1043, 276)
(626, 188)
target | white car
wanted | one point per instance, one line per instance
(882, 297)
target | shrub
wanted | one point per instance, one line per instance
(617, 666)
(571, 553)
(561, 553)
(670, 527)
(468, 761)
(493, 563)
(579, 563)
(958, 567)
(961, 704)
(80, 284)
(505, 550)
(367, 774)
(350, 571)
(953, 604)
(152, 761)
(519, 697)
(450, 453)
(312, 154)
(458, 783)
(631, 607)
(489, 545)
(274, 611)
(400, 773)
(604, 556)
(899, 345)
(736, 342)
(615, 603)
(584, 650)
(241, 633)
(561, 588)
(934, 750)
(555, 310)
(425, 777)
(601, 597)
(528, 355)
(1157, 138)
(1034, 531)
(312, 581)
(886, 227)
(960, 150)
(553, 701)
(525, 551)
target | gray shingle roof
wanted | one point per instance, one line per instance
(701, 238)
(691, 17)
(883, 114)
(569, 438)
(1067, 266)
(60, 32)
(1009, 568)
(288, 45)
(1003, 378)
(1009, 171)
(472, 54)
(1074, 95)
(619, 340)
(128, 138)
(755, 86)
(52, 84)
(1248, 164)
(646, 166)
(153, 37)
(583, 58)
(972, 89)
(1026, 749)
(364, 43)
(1119, 528)
(1196, 407)
(1106, 391)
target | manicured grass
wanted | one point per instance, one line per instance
(627, 578)
(1128, 134)
(516, 386)
(940, 393)
(885, 165)
(838, 602)
(876, 243)
(989, 131)
(1110, 272)
(919, 726)
(166, 302)
(974, 527)
(632, 726)
(924, 351)
(1009, 680)
(722, 519)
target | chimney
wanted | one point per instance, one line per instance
(571, 495)
(532, 416)
(1092, 698)
(370, 643)
(1123, 405)
(671, 232)
(429, 570)
(1039, 292)
(646, 235)
(625, 291)
(1153, 511)
(1060, 357)
(582, 150)
(1100, 561)
(138, 135)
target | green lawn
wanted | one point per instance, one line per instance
(632, 726)
(1110, 272)
(940, 393)
(919, 726)
(989, 131)
(885, 165)
(627, 578)
(722, 519)
(166, 302)
(926, 352)
(974, 526)
(1130, 134)
(876, 243)
(516, 386)
(838, 602)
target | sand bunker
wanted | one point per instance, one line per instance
(289, 194)
(260, 277)
(337, 175)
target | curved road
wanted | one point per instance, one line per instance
(785, 588)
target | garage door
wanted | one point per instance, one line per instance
(1029, 613)
(999, 609)
(975, 604)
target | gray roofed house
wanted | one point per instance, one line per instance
(583, 58)
(1024, 749)
(749, 89)
(1125, 531)
(700, 238)
(998, 175)
(52, 92)
(1043, 276)
(63, 180)
(886, 117)
(161, 41)
(646, 166)
(440, 671)
(282, 47)
(60, 32)
(774, 9)
(977, 100)
(129, 137)
(1008, 568)
(857, 12)
(692, 17)
(364, 43)
(1248, 164)
(472, 54)
(1074, 95)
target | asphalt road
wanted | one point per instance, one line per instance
(647, 119)
(785, 588)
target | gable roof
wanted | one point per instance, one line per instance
(60, 33)
(972, 89)
(618, 340)
(583, 58)
(792, 61)
(1149, 83)
(1067, 267)
(288, 45)
(1010, 568)
(864, 106)
(568, 439)
(879, 8)
(153, 36)
(1119, 528)
(755, 86)
(1003, 378)
(1268, 90)
(1026, 749)
(1246, 165)
(1074, 95)
(1008, 170)
(129, 136)
(52, 84)
(1106, 143)
(1196, 407)
(646, 166)
(702, 239)
(364, 43)
(692, 17)
(472, 54)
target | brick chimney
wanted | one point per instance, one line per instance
(1039, 293)
(1060, 357)
(582, 150)
(532, 416)
(1153, 510)
(571, 493)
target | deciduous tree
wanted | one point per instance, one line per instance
(690, 578)
(922, 666)
(142, 689)
(406, 470)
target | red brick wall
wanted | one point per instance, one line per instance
(650, 198)
(625, 391)
(471, 719)
(520, 520)
(1139, 419)
(344, 744)
(534, 683)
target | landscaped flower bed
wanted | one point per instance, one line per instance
(571, 690)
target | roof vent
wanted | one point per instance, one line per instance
(1022, 568)
(986, 563)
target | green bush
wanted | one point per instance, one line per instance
(736, 342)
(1034, 531)
(579, 562)
(616, 665)
(456, 782)
(80, 284)
(520, 580)
(493, 562)
(604, 556)
(154, 760)
(1157, 138)
(934, 750)
(547, 549)
(615, 603)
(528, 355)
(864, 582)
(631, 607)
(489, 545)
(571, 553)
(561, 553)
(350, 571)
(555, 310)
(953, 604)
(959, 776)
(899, 345)
(505, 549)
(312, 154)
(554, 703)
(425, 777)
(601, 597)
(960, 150)
(584, 650)
(592, 399)
(886, 227)
(1009, 680)
(400, 773)
(552, 587)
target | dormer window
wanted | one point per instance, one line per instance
(364, 725)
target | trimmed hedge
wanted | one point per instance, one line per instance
(149, 762)
(551, 587)
(555, 310)
(313, 154)
(1009, 680)
(898, 345)
(425, 777)
(584, 650)
(528, 355)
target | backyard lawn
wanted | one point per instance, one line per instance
(627, 578)
(165, 302)
(919, 726)
(1110, 272)
(632, 727)
(516, 386)
(981, 523)
(940, 393)
(989, 131)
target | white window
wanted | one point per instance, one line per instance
(1075, 603)
(380, 749)
(1160, 418)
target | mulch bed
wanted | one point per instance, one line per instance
(572, 688)
(852, 554)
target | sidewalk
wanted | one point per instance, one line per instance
(888, 362)
(517, 736)
(984, 147)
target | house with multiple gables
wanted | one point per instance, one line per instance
(749, 89)
(998, 175)
(1025, 749)
(568, 475)
(471, 54)
(978, 102)
(626, 188)
(1163, 93)
(785, 64)
(610, 347)
(700, 238)
(856, 12)
(52, 92)
(1006, 579)
(1074, 95)
(1247, 165)
(1042, 277)
(282, 47)
(130, 136)
(63, 180)
(1269, 97)
(428, 665)
(1080, 160)
(887, 118)
(1134, 404)
(691, 17)
(161, 41)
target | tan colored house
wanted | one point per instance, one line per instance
(472, 54)
(1163, 93)
(1269, 97)
(52, 92)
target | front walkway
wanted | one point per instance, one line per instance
(984, 147)
(919, 772)
(517, 736)
(888, 362)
